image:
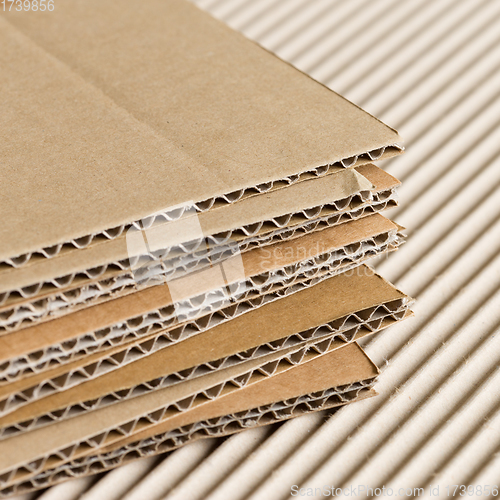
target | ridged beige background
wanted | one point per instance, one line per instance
(431, 69)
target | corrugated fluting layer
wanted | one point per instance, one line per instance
(431, 69)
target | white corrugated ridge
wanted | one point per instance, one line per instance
(431, 69)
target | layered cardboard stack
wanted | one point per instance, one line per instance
(186, 220)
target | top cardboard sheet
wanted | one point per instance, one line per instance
(116, 110)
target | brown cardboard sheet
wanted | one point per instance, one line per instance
(277, 412)
(350, 329)
(42, 449)
(59, 304)
(340, 367)
(156, 330)
(58, 297)
(118, 138)
(199, 312)
(245, 408)
(348, 239)
(330, 307)
(132, 306)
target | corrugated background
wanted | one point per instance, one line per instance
(431, 69)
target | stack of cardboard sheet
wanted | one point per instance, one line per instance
(185, 221)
